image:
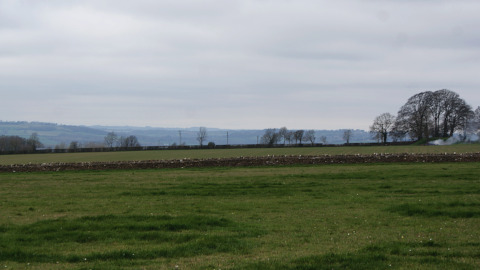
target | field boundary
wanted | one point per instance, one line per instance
(244, 162)
(195, 147)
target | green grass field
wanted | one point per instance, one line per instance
(376, 216)
(225, 153)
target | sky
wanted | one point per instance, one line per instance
(237, 64)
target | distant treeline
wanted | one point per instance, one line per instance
(17, 144)
(191, 147)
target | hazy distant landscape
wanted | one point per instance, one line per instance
(51, 134)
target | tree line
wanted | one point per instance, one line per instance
(297, 137)
(273, 136)
(426, 115)
(17, 144)
(112, 140)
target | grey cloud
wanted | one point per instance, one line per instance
(232, 63)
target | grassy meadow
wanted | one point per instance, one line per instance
(375, 216)
(226, 153)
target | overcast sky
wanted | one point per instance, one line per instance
(246, 64)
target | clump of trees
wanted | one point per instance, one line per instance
(17, 144)
(129, 141)
(112, 140)
(428, 115)
(272, 136)
(74, 146)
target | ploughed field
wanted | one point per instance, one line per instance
(406, 215)
(237, 157)
(245, 162)
(231, 153)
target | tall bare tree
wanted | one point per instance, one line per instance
(310, 136)
(298, 135)
(270, 137)
(74, 146)
(414, 116)
(452, 111)
(476, 122)
(283, 134)
(460, 118)
(129, 141)
(111, 139)
(201, 135)
(347, 135)
(34, 142)
(382, 126)
(289, 137)
(398, 133)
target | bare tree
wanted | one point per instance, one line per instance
(414, 116)
(310, 136)
(270, 137)
(347, 135)
(130, 141)
(289, 137)
(323, 139)
(398, 134)
(382, 126)
(111, 139)
(437, 108)
(476, 122)
(460, 118)
(298, 135)
(283, 134)
(201, 135)
(34, 142)
(74, 146)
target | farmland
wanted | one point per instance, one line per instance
(229, 153)
(373, 216)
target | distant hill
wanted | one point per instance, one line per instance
(51, 134)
